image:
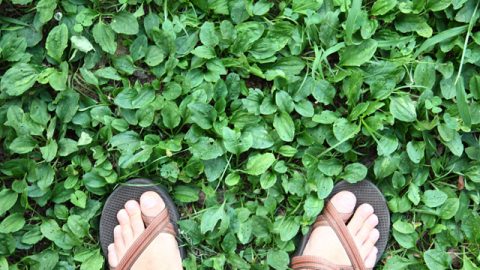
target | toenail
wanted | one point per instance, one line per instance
(149, 202)
(131, 205)
(373, 220)
(344, 201)
(345, 195)
(367, 208)
(348, 194)
(122, 214)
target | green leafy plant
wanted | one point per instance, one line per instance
(248, 112)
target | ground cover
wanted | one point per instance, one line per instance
(248, 112)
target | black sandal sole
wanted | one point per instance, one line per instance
(133, 190)
(365, 192)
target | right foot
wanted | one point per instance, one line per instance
(162, 253)
(324, 242)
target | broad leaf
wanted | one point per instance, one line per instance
(258, 164)
(105, 37)
(357, 55)
(284, 126)
(124, 23)
(403, 108)
(18, 79)
(57, 41)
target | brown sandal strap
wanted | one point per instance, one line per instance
(306, 262)
(322, 220)
(336, 220)
(338, 225)
(147, 220)
(157, 225)
(168, 229)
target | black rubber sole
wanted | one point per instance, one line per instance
(366, 192)
(132, 190)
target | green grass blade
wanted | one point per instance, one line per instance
(462, 103)
(440, 37)
(465, 44)
(353, 14)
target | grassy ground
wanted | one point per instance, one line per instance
(249, 112)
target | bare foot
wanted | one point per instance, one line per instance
(324, 242)
(162, 253)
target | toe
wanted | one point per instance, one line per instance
(136, 222)
(126, 226)
(151, 204)
(361, 214)
(364, 233)
(371, 258)
(369, 244)
(344, 202)
(118, 241)
(112, 256)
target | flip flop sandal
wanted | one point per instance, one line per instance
(166, 221)
(365, 192)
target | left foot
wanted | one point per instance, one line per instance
(162, 253)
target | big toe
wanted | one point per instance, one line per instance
(151, 205)
(344, 202)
